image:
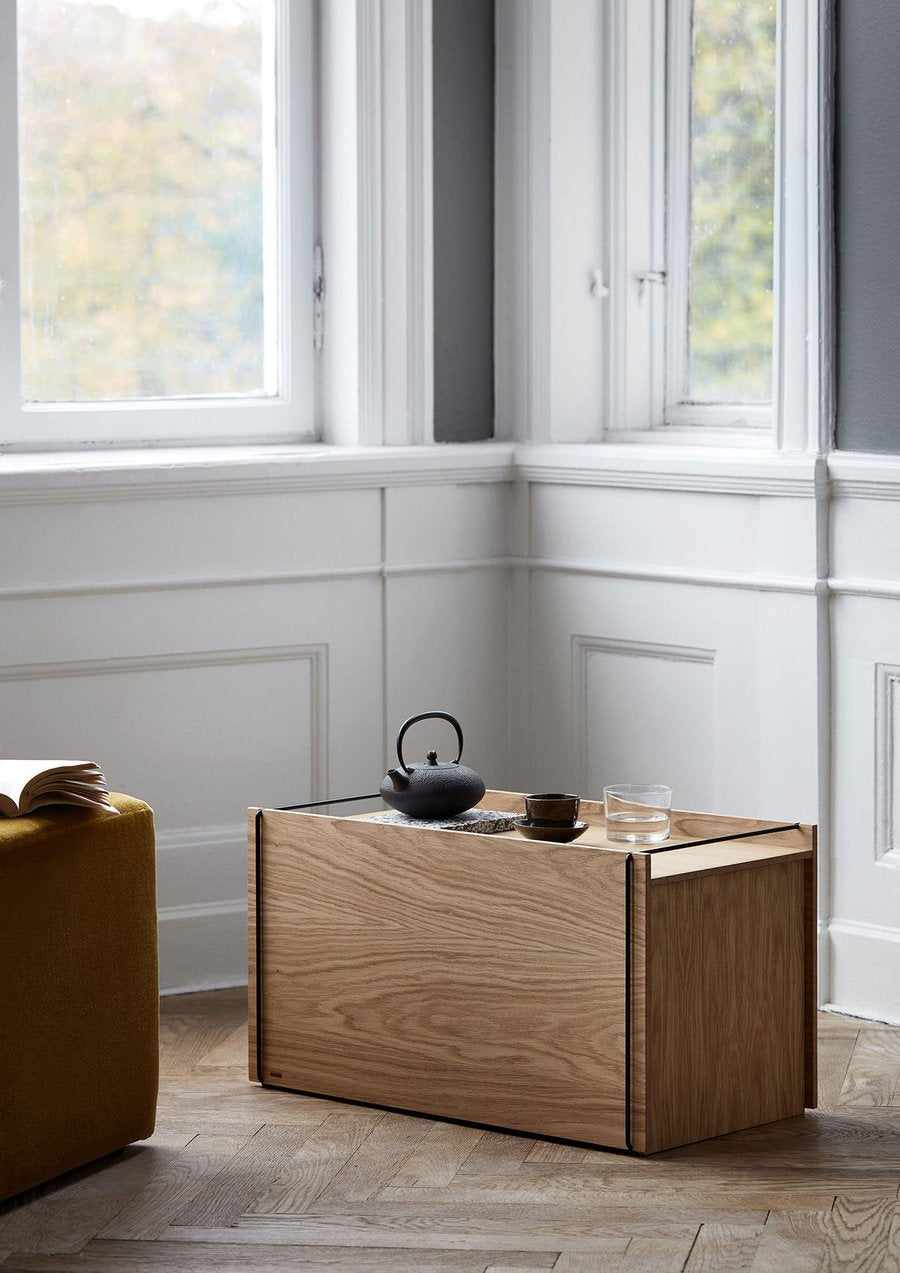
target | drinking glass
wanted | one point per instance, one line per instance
(637, 813)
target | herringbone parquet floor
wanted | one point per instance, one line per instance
(239, 1178)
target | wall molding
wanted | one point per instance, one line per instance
(863, 475)
(674, 468)
(179, 839)
(78, 477)
(676, 574)
(749, 581)
(316, 655)
(90, 588)
(203, 910)
(887, 694)
(583, 648)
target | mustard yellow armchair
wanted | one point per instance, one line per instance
(79, 993)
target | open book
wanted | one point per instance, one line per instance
(25, 785)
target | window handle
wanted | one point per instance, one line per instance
(598, 287)
(650, 276)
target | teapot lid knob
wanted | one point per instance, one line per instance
(431, 757)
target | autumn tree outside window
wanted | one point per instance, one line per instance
(163, 289)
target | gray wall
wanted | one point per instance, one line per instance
(463, 220)
(868, 224)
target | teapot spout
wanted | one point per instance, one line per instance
(399, 778)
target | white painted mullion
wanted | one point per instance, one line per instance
(370, 198)
(539, 34)
(10, 391)
(678, 203)
(578, 303)
(295, 233)
(395, 228)
(419, 186)
(821, 268)
(615, 64)
(396, 304)
(420, 190)
(658, 154)
(511, 234)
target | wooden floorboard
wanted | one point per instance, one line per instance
(236, 1177)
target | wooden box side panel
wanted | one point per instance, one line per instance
(252, 1067)
(726, 1028)
(640, 941)
(455, 975)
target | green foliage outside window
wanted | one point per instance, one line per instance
(732, 201)
(141, 188)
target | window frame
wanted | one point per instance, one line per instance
(286, 417)
(555, 394)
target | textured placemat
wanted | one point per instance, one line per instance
(484, 821)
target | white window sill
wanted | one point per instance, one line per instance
(240, 470)
(724, 470)
(187, 471)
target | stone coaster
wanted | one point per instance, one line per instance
(484, 821)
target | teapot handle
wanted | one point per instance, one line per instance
(427, 716)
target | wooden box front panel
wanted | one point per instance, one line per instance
(726, 972)
(453, 974)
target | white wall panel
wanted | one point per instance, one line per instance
(866, 539)
(662, 528)
(148, 633)
(444, 523)
(199, 737)
(694, 666)
(447, 650)
(865, 901)
(183, 538)
(646, 716)
(220, 649)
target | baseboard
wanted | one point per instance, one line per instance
(203, 946)
(865, 970)
(198, 988)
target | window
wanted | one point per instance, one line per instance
(720, 211)
(668, 280)
(164, 236)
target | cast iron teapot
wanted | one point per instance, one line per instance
(432, 789)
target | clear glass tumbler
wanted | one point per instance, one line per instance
(637, 813)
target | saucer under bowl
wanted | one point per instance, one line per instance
(556, 835)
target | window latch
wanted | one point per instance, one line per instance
(598, 287)
(650, 276)
(318, 299)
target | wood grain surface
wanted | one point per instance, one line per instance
(726, 1015)
(240, 1177)
(686, 826)
(480, 978)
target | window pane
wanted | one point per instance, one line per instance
(732, 201)
(146, 152)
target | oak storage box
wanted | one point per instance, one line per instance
(592, 992)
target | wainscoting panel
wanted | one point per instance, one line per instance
(662, 682)
(190, 537)
(644, 712)
(447, 650)
(199, 736)
(865, 927)
(217, 648)
(251, 636)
